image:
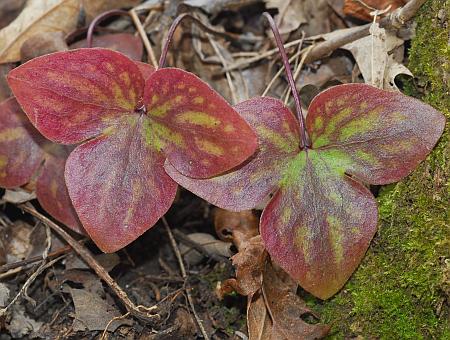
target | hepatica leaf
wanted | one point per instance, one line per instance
(129, 119)
(24, 153)
(321, 218)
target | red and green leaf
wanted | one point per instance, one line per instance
(118, 185)
(125, 43)
(320, 222)
(75, 95)
(200, 133)
(247, 186)
(25, 152)
(130, 118)
(385, 134)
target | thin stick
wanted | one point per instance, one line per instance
(177, 252)
(142, 312)
(28, 282)
(105, 331)
(144, 37)
(7, 267)
(303, 137)
(298, 69)
(224, 63)
(272, 81)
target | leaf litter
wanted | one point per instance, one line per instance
(148, 268)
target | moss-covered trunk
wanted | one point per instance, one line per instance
(401, 290)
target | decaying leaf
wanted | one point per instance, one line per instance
(37, 16)
(276, 311)
(129, 123)
(375, 58)
(125, 43)
(24, 153)
(250, 263)
(237, 227)
(321, 219)
(42, 43)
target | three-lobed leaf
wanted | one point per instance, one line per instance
(129, 119)
(321, 219)
(25, 154)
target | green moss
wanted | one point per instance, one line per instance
(398, 292)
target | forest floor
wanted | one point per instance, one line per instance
(401, 290)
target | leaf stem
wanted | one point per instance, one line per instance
(173, 27)
(98, 19)
(304, 140)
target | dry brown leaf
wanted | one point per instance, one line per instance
(282, 319)
(291, 14)
(236, 227)
(209, 243)
(361, 9)
(42, 43)
(94, 313)
(375, 58)
(9, 9)
(38, 16)
(250, 264)
(92, 8)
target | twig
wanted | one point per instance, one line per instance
(402, 15)
(145, 40)
(28, 282)
(141, 312)
(177, 252)
(224, 63)
(396, 19)
(272, 81)
(297, 71)
(7, 267)
(105, 331)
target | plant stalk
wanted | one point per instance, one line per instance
(304, 140)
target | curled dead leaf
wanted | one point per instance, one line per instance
(277, 312)
(236, 227)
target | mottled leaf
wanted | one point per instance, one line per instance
(130, 118)
(248, 185)
(51, 188)
(320, 222)
(200, 133)
(20, 153)
(125, 43)
(118, 185)
(384, 134)
(71, 96)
